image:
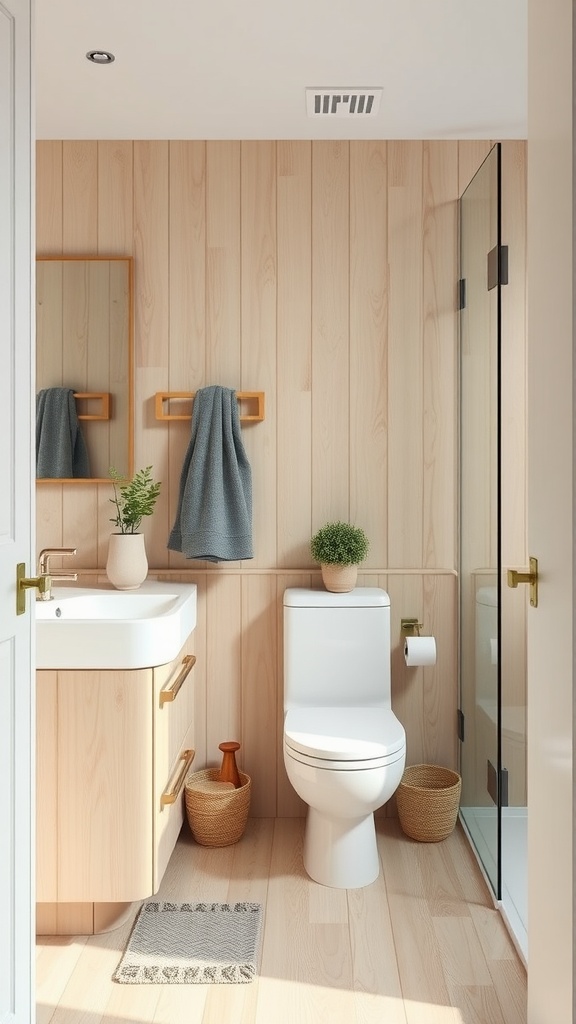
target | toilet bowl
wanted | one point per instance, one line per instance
(344, 748)
(344, 763)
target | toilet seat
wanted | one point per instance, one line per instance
(344, 738)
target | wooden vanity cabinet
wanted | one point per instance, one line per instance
(111, 766)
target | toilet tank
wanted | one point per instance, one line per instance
(336, 648)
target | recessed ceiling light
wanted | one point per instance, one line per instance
(100, 56)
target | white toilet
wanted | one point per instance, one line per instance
(344, 748)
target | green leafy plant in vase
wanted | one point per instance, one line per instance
(134, 499)
(339, 548)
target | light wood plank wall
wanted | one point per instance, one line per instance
(322, 273)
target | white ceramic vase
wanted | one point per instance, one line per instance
(127, 565)
(339, 579)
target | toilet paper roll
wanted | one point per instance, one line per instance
(420, 650)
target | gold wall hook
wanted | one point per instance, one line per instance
(515, 577)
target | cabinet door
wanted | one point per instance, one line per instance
(173, 751)
(104, 785)
(46, 787)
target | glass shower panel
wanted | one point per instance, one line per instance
(480, 558)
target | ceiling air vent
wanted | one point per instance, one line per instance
(343, 102)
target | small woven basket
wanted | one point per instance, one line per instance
(428, 798)
(217, 817)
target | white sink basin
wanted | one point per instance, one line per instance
(100, 627)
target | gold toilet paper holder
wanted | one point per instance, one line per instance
(410, 627)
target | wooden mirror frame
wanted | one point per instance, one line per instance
(98, 404)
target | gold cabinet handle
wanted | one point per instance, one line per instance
(171, 692)
(515, 577)
(40, 583)
(175, 783)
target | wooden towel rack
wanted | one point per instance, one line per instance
(98, 396)
(254, 400)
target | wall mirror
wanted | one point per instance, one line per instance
(84, 343)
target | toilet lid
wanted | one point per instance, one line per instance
(344, 734)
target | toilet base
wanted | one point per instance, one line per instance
(341, 852)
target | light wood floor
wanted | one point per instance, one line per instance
(421, 945)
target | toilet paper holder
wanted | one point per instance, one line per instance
(410, 627)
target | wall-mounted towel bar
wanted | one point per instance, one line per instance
(94, 396)
(251, 405)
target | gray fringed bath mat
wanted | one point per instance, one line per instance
(192, 944)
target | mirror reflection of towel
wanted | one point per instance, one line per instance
(60, 447)
(214, 516)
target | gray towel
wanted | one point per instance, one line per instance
(60, 448)
(214, 517)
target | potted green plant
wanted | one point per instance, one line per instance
(127, 564)
(339, 548)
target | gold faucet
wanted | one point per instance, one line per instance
(44, 570)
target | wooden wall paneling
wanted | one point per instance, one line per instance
(406, 601)
(259, 691)
(223, 265)
(151, 286)
(440, 378)
(115, 194)
(79, 525)
(330, 332)
(440, 682)
(258, 326)
(49, 325)
(369, 345)
(187, 352)
(104, 512)
(49, 517)
(293, 392)
(471, 154)
(289, 804)
(223, 663)
(49, 213)
(405, 372)
(80, 191)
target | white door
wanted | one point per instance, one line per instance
(550, 512)
(16, 506)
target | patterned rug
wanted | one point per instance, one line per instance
(192, 944)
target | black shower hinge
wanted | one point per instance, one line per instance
(460, 725)
(461, 293)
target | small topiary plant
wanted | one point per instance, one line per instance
(133, 498)
(339, 544)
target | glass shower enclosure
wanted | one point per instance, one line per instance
(491, 714)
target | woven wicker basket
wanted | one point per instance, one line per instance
(428, 798)
(216, 817)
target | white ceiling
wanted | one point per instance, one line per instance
(228, 69)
